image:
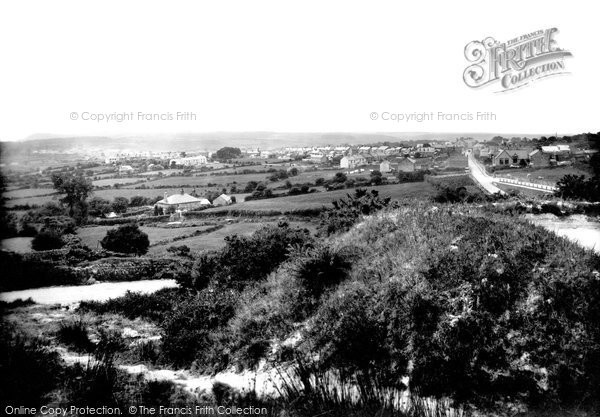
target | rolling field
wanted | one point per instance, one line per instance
(216, 239)
(28, 192)
(203, 181)
(546, 176)
(318, 200)
(90, 236)
(111, 181)
(121, 192)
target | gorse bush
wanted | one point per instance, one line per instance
(192, 331)
(245, 259)
(347, 211)
(135, 305)
(479, 308)
(483, 309)
(30, 371)
(127, 238)
(75, 335)
(47, 239)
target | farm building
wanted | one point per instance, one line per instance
(407, 165)
(539, 158)
(182, 201)
(222, 200)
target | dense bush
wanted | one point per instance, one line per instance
(74, 334)
(47, 239)
(192, 331)
(247, 259)
(24, 271)
(416, 176)
(485, 310)
(126, 239)
(134, 305)
(577, 187)
(29, 370)
(347, 211)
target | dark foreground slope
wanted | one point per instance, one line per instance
(487, 310)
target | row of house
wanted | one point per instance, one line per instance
(543, 157)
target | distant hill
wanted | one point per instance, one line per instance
(216, 140)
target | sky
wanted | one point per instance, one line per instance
(301, 66)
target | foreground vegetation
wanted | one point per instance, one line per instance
(482, 309)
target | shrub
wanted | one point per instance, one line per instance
(182, 250)
(47, 239)
(120, 204)
(74, 334)
(191, 331)
(246, 259)
(30, 370)
(346, 212)
(136, 305)
(126, 239)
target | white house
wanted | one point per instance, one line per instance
(125, 169)
(182, 201)
(385, 167)
(222, 200)
(352, 161)
(189, 161)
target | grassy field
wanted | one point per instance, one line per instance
(111, 181)
(17, 244)
(28, 192)
(318, 200)
(216, 239)
(203, 181)
(90, 236)
(546, 176)
(121, 192)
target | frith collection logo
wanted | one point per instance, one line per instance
(515, 63)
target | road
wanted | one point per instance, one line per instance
(478, 173)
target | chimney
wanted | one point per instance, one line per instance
(181, 191)
(166, 195)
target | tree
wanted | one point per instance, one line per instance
(376, 177)
(76, 188)
(127, 238)
(340, 177)
(47, 239)
(120, 204)
(138, 200)
(98, 206)
(573, 187)
(250, 186)
(228, 153)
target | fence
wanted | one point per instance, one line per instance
(525, 184)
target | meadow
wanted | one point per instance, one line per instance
(545, 176)
(216, 240)
(111, 181)
(28, 192)
(91, 236)
(418, 190)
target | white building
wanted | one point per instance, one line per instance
(222, 200)
(190, 161)
(352, 161)
(182, 201)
